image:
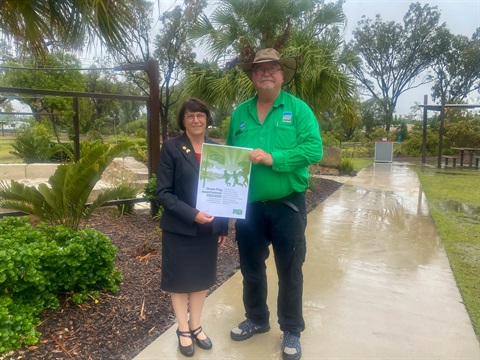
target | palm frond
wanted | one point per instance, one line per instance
(117, 193)
(63, 199)
(20, 197)
(71, 22)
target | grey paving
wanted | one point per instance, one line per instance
(378, 284)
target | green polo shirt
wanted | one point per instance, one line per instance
(290, 133)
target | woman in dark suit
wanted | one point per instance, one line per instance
(190, 238)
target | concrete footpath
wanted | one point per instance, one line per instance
(378, 284)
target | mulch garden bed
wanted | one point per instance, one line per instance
(121, 325)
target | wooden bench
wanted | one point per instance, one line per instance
(454, 160)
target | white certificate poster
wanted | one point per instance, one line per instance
(223, 181)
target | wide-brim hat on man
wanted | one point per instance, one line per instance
(289, 64)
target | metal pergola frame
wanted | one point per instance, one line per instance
(440, 108)
(153, 108)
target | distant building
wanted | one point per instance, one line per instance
(11, 122)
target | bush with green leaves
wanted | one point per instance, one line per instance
(94, 135)
(150, 191)
(151, 188)
(38, 263)
(137, 127)
(64, 199)
(359, 136)
(363, 149)
(381, 133)
(220, 132)
(329, 139)
(215, 133)
(129, 193)
(346, 166)
(413, 145)
(461, 134)
(139, 149)
(33, 144)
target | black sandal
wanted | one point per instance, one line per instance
(205, 344)
(187, 350)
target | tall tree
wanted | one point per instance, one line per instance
(172, 50)
(372, 115)
(174, 54)
(307, 29)
(388, 57)
(456, 66)
(35, 24)
(101, 110)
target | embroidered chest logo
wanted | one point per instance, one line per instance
(287, 117)
(242, 127)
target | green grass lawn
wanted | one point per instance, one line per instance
(6, 145)
(454, 201)
(360, 163)
(5, 148)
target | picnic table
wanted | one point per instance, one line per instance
(471, 152)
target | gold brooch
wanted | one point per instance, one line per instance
(186, 150)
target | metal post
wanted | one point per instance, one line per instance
(440, 136)
(76, 131)
(153, 117)
(424, 129)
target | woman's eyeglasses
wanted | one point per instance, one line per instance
(192, 116)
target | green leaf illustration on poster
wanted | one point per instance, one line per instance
(224, 179)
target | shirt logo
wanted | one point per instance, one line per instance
(287, 117)
(242, 127)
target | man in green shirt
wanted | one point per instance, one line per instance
(285, 137)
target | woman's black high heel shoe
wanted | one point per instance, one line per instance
(187, 350)
(205, 344)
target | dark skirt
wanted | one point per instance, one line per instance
(189, 263)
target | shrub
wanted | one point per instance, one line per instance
(138, 149)
(150, 191)
(413, 145)
(150, 188)
(461, 133)
(215, 133)
(328, 139)
(346, 166)
(33, 144)
(37, 264)
(381, 133)
(127, 192)
(137, 127)
(359, 136)
(64, 199)
(94, 135)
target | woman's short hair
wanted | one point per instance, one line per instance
(193, 105)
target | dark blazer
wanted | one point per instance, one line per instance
(177, 180)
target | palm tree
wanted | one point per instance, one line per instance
(307, 29)
(35, 24)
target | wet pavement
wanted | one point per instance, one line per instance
(378, 284)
